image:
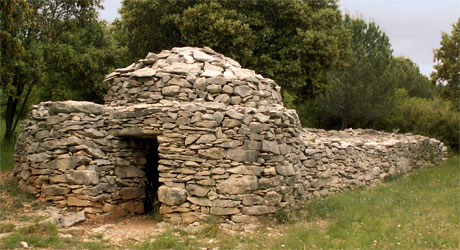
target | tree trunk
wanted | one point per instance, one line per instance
(9, 118)
(344, 122)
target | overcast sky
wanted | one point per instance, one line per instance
(413, 26)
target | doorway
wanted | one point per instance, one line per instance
(151, 203)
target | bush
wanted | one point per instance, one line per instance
(428, 117)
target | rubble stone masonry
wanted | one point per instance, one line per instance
(223, 144)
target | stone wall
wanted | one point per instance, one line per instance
(226, 145)
(339, 160)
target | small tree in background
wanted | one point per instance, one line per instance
(360, 94)
(406, 74)
(447, 75)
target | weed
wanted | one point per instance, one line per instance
(164, 241)
(432, 156)
(392, 178)
(6, 228)
(211, 228)
(282, 216)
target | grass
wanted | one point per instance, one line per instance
(6, 156)
(46, 237)
(6, 150)
(10, 207)
(419, 211)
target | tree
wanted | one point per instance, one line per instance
(77, 62)
(406, 74)
(361, 94)
(447, 74)
(20, 63)
(30, 30)
(294, 42)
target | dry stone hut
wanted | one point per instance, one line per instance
(190, 130)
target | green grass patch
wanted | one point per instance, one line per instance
(6, 156)
(6, 148)
(419, 211)
(6, 228)
(169, 240)
(47, 236)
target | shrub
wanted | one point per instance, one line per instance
(429, 117)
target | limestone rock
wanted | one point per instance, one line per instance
(238, 185)
(242, 90)
(183, 68)
(286, 169)
(170, 90)
(242, 155)
(72, 219)
(172, 196)
(75, 107)
(53, 190)
(247, 170)
(205, 139)
(224, 211)
(128, 193)
(198, 190)
(82, 177)
(270, 146)
(74, 201)
(258, 210)
(144, 72)
(212, 153)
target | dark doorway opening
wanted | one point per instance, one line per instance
(151, 203)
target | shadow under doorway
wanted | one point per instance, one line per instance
(151, 203)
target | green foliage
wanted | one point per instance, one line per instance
(447, 74)
(77, 62)
(210, 24)
(282, 216)
(406, 74)
(360, 95)
(52, 50)
(20, 65)
(433, 118)
(293, 42)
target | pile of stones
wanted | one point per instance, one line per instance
(225, 145)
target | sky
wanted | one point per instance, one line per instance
(413, 26)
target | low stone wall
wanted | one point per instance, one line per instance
(216, 138)
(340, 160)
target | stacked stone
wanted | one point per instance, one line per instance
(185, 74)
(340, 160)
(217, 159)
(227, 146)
(66, 156)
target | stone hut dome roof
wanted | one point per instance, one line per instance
(188, 74)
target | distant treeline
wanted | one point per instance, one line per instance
(336, 70)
